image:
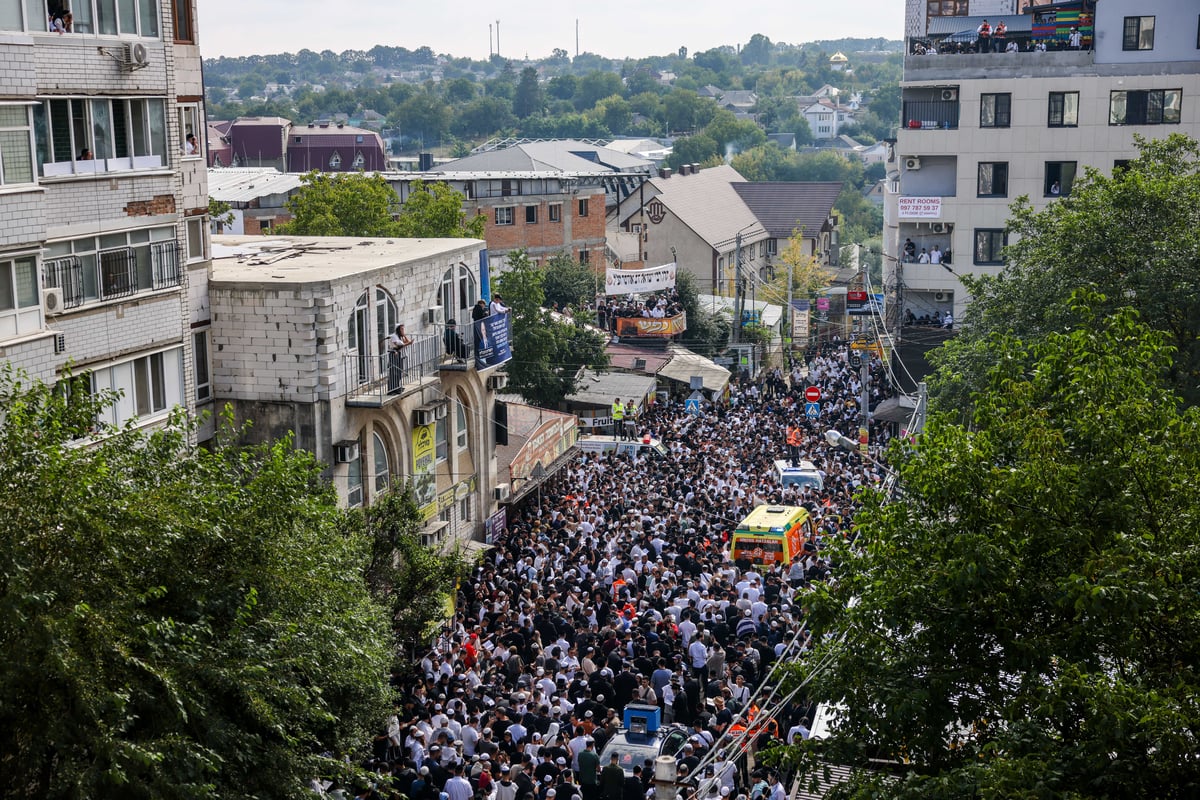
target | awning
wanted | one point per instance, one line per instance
(895, 409)
(1017, 23)
(601, 388)
(684, 364)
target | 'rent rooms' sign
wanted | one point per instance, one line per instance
(920, 208)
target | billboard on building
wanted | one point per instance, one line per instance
(492, 336)
(425, 470)
(920, 208)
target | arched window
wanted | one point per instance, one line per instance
(354, 483)
(366, 333)
(461, 434)
(380, 456)
(359, 161)
(335, 161)
(458, 293)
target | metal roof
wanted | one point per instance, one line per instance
(600, 388)
(242, 184)
(1017, 23)
(684, 364)
(783, 206)
(707, 202)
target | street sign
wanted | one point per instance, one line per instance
(812, 410)
(692, 407)
(812, 394)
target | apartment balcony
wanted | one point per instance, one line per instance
(931, 115)
(975, 66)
(374, 380)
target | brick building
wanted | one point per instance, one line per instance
(103, 247)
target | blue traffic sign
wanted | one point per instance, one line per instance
(812, 410)
(692, 406)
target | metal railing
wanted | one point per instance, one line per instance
(931, 114)
(165, 259)
(370, 377)
(65, 274)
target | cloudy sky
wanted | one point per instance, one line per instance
(617, 28)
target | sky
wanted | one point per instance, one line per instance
(615, 29)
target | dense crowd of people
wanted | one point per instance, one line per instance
(617, 587)
(657, 306)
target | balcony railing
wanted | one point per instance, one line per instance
(372, 378)
(931, 114)
(114, 274)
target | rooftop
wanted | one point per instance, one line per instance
(243, 184)
(298, 260)
(783, 206)
(707, 202)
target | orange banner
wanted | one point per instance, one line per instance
(649, 326)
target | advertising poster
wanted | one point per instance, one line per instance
(425, 470)
(492, 340)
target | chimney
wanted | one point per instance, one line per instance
(664, 173)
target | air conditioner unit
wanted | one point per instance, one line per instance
(424, 416)
(912, 162)
(939, 227)
(942, 297)
(135, 56)
(52, 300)
(950, 94)
(435, 316)
(345, 452)
(60, 343)
(497, 382)
(500, 492)
(440, 410)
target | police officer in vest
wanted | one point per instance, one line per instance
(618, 418)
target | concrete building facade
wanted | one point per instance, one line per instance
(104, 244)
(980, 130)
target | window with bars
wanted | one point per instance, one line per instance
(65, 274)
(112, 266)
(118, 275)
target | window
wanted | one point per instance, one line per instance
(946, 8)
(354, 482)
(84, 136)
(1151, 107)
(531, 215)
(149, 386)
(464, 509)
(1059, 177)
(382, 478)
(1063, 110)
(335, 160)
(772, 246)
(195, 239)
(555, 212)
(762, 249)
(585, 257)
(995, 110)
(504, 215)
(189, 127)
(1119, 166)
(16, 152)
(359, 160)
(458, 295)
(988, 244)
(107, 17)
(113, 265)
(200, 360)
(182, 12)
(20, 301)
(993, 179)
(460, 425)
(441, 444)
(1139, 33)
(583, 207)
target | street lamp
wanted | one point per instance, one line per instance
(842, 442)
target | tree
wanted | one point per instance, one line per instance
(693, 150)
(808, 276)
(341, 204)
(435, 211)
(568, 283)
(615, 113)
(177, 622)
(528, 99)
(549, 351)
(707, 332)
(423, 115)
(757, 50)
(595, 86)
(733, 134)
(1025, 620)
(482, 116)
(1134, 236)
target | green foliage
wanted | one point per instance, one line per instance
(707, 332)
(594, 87)
(528, 99)
(176, 622)
(411, 580)
(435, 211)
(220, 212)
(1025, 621)
(569, 284)
(341, 204)
(548, 352)
(1133, 236)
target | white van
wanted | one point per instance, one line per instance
(806, 474)
(611, 444)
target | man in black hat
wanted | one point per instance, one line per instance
(455, 346)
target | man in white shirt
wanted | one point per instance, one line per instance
(935, 255)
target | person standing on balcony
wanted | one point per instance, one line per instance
(999, 37)
(455, 347)
(984, 32)
(1075, 40)
(480, 311)
(497, 306)
(398, 342)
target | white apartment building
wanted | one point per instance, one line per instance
(103, 201)
(981, 129)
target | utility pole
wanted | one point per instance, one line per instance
(791, 318)
(577, 38)
(497, 37)
(739, 301)
(490, 51)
